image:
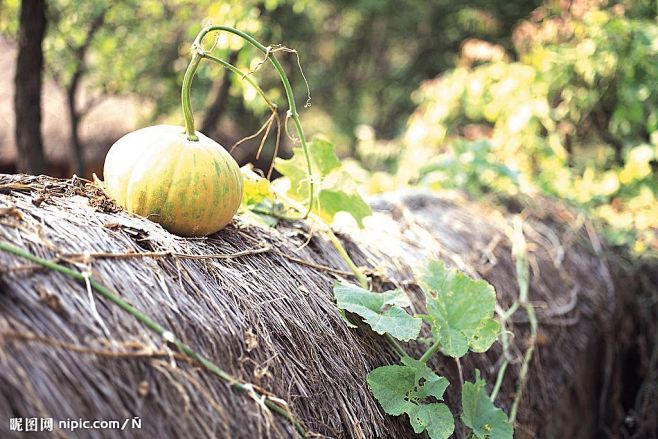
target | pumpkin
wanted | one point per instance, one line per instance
(190, 187)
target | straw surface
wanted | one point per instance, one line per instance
(267, 316)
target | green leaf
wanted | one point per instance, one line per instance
(435, 418)
(480, 414)
(332, 190)
(295, 169)
(460, 309)
(382, 311)
(453, 342)
(323, 157)
(323, 161)
(427, 382)
(332, 202)
(405, 389)
(391, 386)
(485, 336)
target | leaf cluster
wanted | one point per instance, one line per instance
(575, 117)
(460, 317)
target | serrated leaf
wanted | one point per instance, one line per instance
(323, 161)
(485, 336)
(332, 202)
(391, 385)
(435, 418)
(460, 308)
(295, 170)
(405, 389)
(428, 383)
(332, 194)
(381, 311)
(480, 414)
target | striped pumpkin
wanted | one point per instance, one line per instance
(192, 188)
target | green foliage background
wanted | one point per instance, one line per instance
(575, 117)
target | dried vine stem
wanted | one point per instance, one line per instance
(273, 119)
(81, 349)
(275, 404)
(520, 253)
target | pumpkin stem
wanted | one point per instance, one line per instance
(185, 95)
(292, 107)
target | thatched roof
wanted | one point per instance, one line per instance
(267, 316)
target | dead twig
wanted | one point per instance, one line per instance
(76, 256)
(143, 352)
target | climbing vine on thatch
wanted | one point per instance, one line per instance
(460, 318)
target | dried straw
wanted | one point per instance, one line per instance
(258, 302)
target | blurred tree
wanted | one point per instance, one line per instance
(576, 117)
(28, 79)
(133, 47)
(84, 36)
(363, 58)
(72, 86)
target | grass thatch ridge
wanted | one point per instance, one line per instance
(266, 316)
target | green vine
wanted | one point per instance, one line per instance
(460, 310)
(188, 114)
(520, 252)
(197, 56)
(460, 317)
(322, 154)
(199, 53)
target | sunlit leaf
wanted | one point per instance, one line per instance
(405, 389)
(332, 195)
(460, 308)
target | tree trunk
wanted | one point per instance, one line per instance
(28, 79)
(218, 106)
